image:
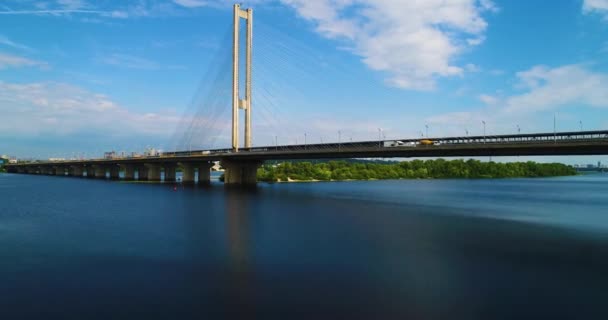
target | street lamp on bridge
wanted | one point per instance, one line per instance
(484, 131)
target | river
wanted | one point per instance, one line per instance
(407, 249)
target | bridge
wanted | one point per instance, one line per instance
(241, 164)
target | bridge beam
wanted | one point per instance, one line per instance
(240, 173)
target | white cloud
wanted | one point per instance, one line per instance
(544, 90)
(596, 6)
(134, 62)
(11, 61)
(129, 61)
(7, 42)
(414, 42)
(61, 109)
(488, 99)
(550, 88)
(191, 3)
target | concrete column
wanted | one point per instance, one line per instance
(204, 172)
(32, 170)
(99, 172)
(142, 173)
(90, 171)
(129, 171)
(187, 172)
(18, 169)
(59, 171)
(76, 171)
(153, 172)
(169, 172)
(240, 173)
(114, 172)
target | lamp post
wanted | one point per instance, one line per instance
(379, 137)
(518, 129)
(276, 143)
(427, 130)
(305, 136)
(581, 124)
(484, 131)
(339, 140)
(554, 128)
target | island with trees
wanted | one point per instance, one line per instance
(416, 169)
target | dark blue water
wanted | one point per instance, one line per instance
(431, 249)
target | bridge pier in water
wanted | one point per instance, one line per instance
(114, 172)
(59, 170)
(99, 172)
(240, 173)
(152, 172)
(76, 171)
(129, 171)
(169, 170)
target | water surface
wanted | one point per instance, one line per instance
(417, 249)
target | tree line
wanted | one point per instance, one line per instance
(416, 169)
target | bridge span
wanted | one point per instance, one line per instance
(241, 167)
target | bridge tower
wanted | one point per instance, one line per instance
(237, 102)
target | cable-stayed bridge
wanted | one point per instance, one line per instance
(241, 162)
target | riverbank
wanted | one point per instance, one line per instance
(416, 169)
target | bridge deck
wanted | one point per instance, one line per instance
(549, 144)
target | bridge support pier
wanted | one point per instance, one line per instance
(99, 172)
(142, 173)
(76, 171)
(169, 170)
(90, 171)
(204, 173)
(114, 172)
(129, 171)
(32, 170)
(153, 172)
(59, 171)
(240, 173)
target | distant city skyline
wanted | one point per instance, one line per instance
(87, 77)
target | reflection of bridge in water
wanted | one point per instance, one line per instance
(241, 163)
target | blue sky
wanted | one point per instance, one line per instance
(83, 76)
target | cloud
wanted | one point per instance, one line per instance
(134, 62)
(191, 3)
(541, 89)
(414, 42)
(488, 99)
(58, 109)
(596, 6)
(11, 61)
(7, 42)
(550, 88)
(129, 61)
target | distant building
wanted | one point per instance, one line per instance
(109, 155)
(56, 159)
